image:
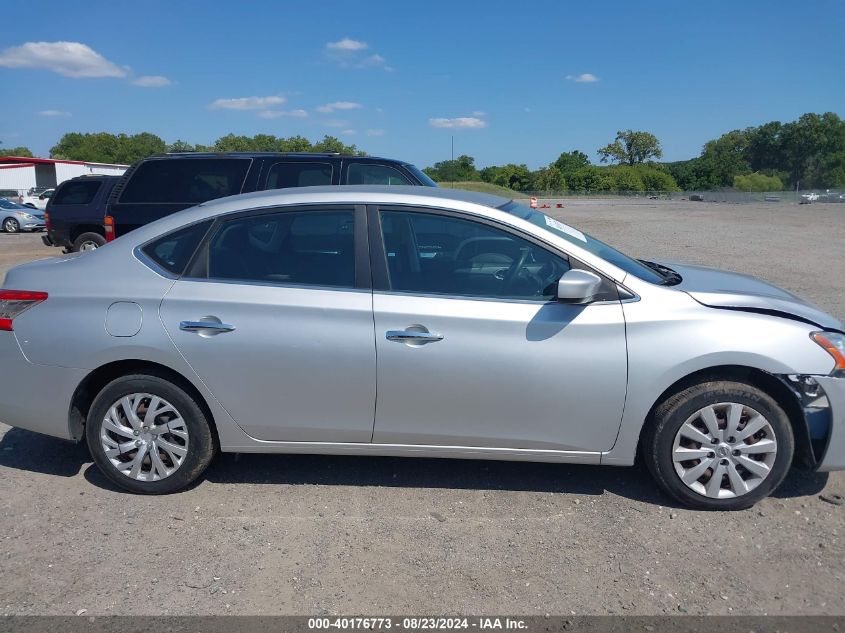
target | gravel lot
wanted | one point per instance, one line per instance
(300, 534)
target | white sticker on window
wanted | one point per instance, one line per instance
(565, 228)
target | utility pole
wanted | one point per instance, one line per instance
(453, 158)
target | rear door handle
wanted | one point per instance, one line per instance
(413, 336)
(208, 327)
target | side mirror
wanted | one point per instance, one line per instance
(578, 286)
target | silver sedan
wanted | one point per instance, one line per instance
(417, 322)
(15, 217)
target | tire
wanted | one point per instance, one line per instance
(664, 440)
(11, 225)
(88, 242)
(161, 439)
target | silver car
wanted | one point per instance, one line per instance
(416, 322)
(15, 217)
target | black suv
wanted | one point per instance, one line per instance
(75, 213)
(160, 185)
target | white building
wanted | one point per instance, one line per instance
(20, 173)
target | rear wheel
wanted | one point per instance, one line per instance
(719, 445)
(10, 225)
(88, 242)
(148, 435)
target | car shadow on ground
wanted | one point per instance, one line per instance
(23, 450)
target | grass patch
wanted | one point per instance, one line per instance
(483, 187)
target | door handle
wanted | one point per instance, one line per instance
(207, 327)
(413, 336)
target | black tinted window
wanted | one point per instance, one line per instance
(283, 175)
(437, 254)
(173, 251)
(81, 192)
(309, 248)
(185, 180)
(370, 174)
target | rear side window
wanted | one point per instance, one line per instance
(284, 175)
(369, 174)
(311, 248)
(185, 180)
(81, 192)
(173, 251)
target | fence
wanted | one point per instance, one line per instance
(727, 196)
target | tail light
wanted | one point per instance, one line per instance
(15, 302)
(47, 221)
(108, 223)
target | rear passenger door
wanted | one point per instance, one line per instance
(275, 317)
(364, 173)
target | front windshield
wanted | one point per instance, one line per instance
(421, 175)
(587, 242)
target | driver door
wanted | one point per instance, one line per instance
(473, 348)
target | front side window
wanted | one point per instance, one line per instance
(371, 174)
(313, 248)
(82, 192)
(440, 254)
(185, 180)
(284, 175)
(174, 250)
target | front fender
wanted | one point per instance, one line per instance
(683, 337)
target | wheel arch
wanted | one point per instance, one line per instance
(96, 380)
(80, 229)
(771, 384)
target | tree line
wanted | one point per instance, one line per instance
(808, 153)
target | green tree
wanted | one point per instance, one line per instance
(726, 157)
(517, 177)
(103, 147)
(548, 179)
(462, 169)
(631, 147)
(16, 151)
(181, 146)
(757, 182)
(591, 180)
(569, 162)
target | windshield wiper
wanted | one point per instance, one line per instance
(670, 277)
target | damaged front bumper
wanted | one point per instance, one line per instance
(822, 400)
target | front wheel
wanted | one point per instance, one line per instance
(10, 225)
(719, 445)
(148, 435)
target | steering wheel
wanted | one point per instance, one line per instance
(513, 272)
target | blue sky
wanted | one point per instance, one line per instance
(512, 81)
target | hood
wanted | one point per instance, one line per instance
(721, 289)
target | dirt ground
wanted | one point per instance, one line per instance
(319, 535)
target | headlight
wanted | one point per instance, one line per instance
(834, 344)
(28, 216)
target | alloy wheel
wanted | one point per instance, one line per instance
(724, 450)
(144, 437)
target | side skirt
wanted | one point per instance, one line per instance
(418, 450)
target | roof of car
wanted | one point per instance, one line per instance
(360, 194)
(271, 154)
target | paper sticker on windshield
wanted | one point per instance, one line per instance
(565, 228)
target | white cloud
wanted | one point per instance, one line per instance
(583, 78)
(375, 132)
(347, 44)
(70, 59)
(349, 53)
(275, 114)
(339, 105)
(152, 81)
(349, 132)
(54, 113)
(247, 103)
(336, 123)
(470, 122)
(479, 113)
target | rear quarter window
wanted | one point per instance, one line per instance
(173, 251)
(185, 180)
(82, 192)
